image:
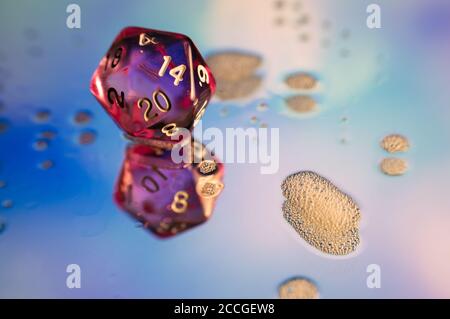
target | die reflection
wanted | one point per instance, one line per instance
(166, 197)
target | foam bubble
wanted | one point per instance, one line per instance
(233, 66)
(301, 81)
(323, 215)
(395, 143)
(230, 90)
(235, 74)
(301, 103)
(393, 166)
(208, 188)
(298, 288)
(207, 167)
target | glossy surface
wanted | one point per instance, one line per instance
(395, 80)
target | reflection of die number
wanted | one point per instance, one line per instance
(179, 203)
(200, 113)
(170, 129)
(149, 183)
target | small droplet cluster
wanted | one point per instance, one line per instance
(86, 136)
(42, 142)
(301, 103)
(394, 166)
(323, 215)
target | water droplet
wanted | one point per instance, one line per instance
(304, 37)
(235, 74)
(209, 189)
(395, 143)
(254, 120)
(301, 103)
(262, 107)
(40, 145)
(394, 166)
(223, 112)
(47, 134)
(4, 125)
(83, 117)
(207, 167)
(230, 90)
(279, 4)
(298, 288)
(7, 203)
(301, 81)
(87, 137)
(47, 164)
(303, 20)
(2, 225)
(42, 116)
(233, 65)
(279, 21)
